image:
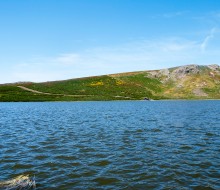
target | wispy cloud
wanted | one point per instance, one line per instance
(207, 39)
(169, 15)
(68, 59)
(133, 56)
(174, 14)
(209, 18)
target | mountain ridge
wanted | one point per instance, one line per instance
(181, 82)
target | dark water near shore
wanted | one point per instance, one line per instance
(112, 145)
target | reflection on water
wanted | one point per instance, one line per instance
(112, 145)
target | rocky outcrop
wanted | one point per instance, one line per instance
(182, 71)
(192, 80)
(214, 67)
(175, 73)
(159, 73)
(21, 182)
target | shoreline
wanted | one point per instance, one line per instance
(113, 100)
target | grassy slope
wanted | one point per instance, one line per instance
(15, 94)
(125, 86)
(104, 87)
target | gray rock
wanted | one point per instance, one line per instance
(182, 71)
(214, 67)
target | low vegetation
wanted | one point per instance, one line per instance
(186, 82)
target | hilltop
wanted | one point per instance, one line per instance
(184, 82)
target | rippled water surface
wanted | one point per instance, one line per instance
(112, 145)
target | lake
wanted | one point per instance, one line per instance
(112, 145)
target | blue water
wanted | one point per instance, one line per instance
(112, 145)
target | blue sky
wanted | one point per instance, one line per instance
(43, 40)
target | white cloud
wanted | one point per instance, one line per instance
(170, 15)
(68, 59)
(133, 56)
(174, 14)
(208, 39)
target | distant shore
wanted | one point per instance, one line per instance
(189, 82)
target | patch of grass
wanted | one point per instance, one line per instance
(128, 87)
(15, 94)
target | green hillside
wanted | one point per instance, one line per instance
(185, 82)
